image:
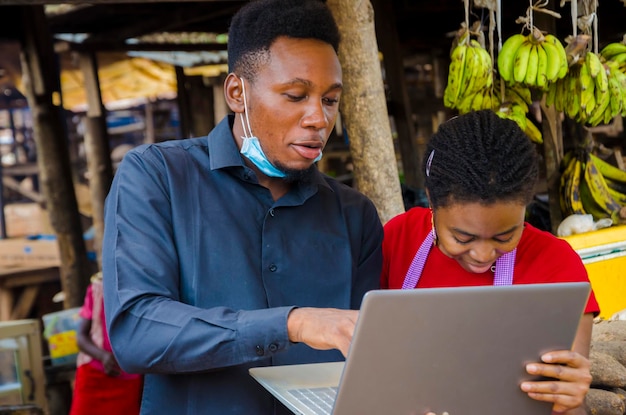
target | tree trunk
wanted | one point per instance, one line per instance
(364, 109)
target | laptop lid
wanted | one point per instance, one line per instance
(462, 350)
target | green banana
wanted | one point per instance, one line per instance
(615, 91)
(506, 56)
(520, 64)
(541, 80)
(553, 58)
(613, 49)
(532, 66)
(564, 67)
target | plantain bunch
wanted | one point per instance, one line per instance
(590, 93)
(615, 52)
(470, 72)
(535, 60)
(590, 185)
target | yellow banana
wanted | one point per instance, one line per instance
(474, 70)
(603, 101)
(486, 65)
(563, 69)
(565, 189)
(520, 64)
(608, 170)
(574, 192)
(594, 64)
(599, 191)
(455, 75)
(587, 92)
(533, 132)
(506, 56)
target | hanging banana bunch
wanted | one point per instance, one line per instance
(590, 93)
(616, 52)
(470, 72)
(535, 60)
(590, 185)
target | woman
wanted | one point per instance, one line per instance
(480, 175)
(101, 387)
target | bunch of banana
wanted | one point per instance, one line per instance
(517, 113)
(470, 71)
(615, 52)
(535, 60)
(585, 189)
(483, 99)
(569, 191)
(615, 178)
(584, 94)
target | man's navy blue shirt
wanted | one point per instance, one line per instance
(201, 268)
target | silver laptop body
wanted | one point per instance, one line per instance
(462, 350)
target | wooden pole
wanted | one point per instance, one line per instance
(97, 147)
(42, 85)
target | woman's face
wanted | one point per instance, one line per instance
(476, 235)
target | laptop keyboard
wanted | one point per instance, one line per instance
(319, 400)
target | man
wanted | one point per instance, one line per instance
(234, 251)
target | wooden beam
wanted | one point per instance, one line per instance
(104, 46)
(25, 302)
(80, 2)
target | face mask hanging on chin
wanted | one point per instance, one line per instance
(251, 148)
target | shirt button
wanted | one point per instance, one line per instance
(259, 351)
(273, 268)
(272, 212)
(273, 347)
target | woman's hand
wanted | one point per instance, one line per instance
(571, 380)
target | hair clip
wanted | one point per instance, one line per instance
(429, 162)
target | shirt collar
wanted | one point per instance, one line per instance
(224, 151)
(222, 147)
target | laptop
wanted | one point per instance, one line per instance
(462, 350)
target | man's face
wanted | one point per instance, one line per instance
(294, 101)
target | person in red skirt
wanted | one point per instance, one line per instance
(101, 387)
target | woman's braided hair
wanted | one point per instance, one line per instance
(480, 157)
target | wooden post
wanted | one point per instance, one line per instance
(97, 147)
(552, 132)
(182, 96)
(42, 85)
(364, 108)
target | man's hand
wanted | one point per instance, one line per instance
(322, 328)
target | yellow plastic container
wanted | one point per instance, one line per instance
(604, 254)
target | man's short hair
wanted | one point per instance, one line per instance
(256, 26)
